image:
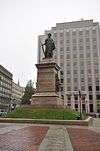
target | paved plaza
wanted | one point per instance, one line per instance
(39, 137)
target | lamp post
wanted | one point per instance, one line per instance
(80, 105)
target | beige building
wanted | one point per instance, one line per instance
(17, 93)
(78, 54)
(5, 88)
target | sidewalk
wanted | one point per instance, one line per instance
(57, 139)
(42, 137)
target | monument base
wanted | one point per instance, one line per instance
(46, 93)
(46, 100)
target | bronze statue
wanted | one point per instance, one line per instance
(49, 47)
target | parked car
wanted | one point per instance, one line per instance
(95, 115)
(3, 112)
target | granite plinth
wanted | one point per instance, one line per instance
(46, 94)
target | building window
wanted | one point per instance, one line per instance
(62, 80)
(74, 40)
(83, 88)
(76, 97)
(94, 39)
(89, 71)
(68, 64)
(55, 35)
(81, 63)
(61, 42)
(68, 41)
(94, 31)
(88, 47)
(61, 89)
(81, 40)
(94, 46)
(61, 72)
(97, 88)
(87, 40)
(67, 34)
(81, 55)
(62, 96)
(81, 47)
(74, 33)
(68, 49)
(68, 56)
(95, 55)
(74, 55)
(61, 34)
(68, 88)
(74, 48)
(61, 49)
(75, 64)
(68, 80)
(90, 97)
(68, 71)
(75, 80)
(96, 71)
(87, 32)
(82, 79)
(98, 97)
(88, 55)
(61, 56)
(89, 80)
(97, 81)
(80, 32)
(69, 97)
(75, 71)
(82, 71)
(75, 88)
(61, 64)
(90, 88)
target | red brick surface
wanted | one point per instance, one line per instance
(26, 139)
(84, 139)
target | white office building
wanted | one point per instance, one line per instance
(78, 54)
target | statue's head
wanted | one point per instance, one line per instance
(49, 35)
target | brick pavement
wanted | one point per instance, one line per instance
(84, 139)
(35, 137)
(25, 139)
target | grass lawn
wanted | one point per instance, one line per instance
(43, 113)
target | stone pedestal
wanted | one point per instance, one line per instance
(46, 95)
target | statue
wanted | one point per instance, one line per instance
(49, 47)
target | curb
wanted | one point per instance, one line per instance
(87, 122)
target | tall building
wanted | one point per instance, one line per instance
(5, 88)
(78, 54)
(17, 93)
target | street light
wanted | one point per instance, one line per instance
(80, 104)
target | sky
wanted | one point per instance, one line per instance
(21, 21)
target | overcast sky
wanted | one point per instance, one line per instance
(21, 21)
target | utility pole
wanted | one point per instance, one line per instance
(80, 104)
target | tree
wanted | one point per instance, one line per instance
(29, 91)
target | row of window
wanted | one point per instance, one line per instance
(74, 33)
(88, 63)
(5, 95)
(81, 55)
(90, 97)
(80, 47)
(79, 41)
(83, 88)
(5, 80)
(6, 85)
(82, 71)
(2, 89)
